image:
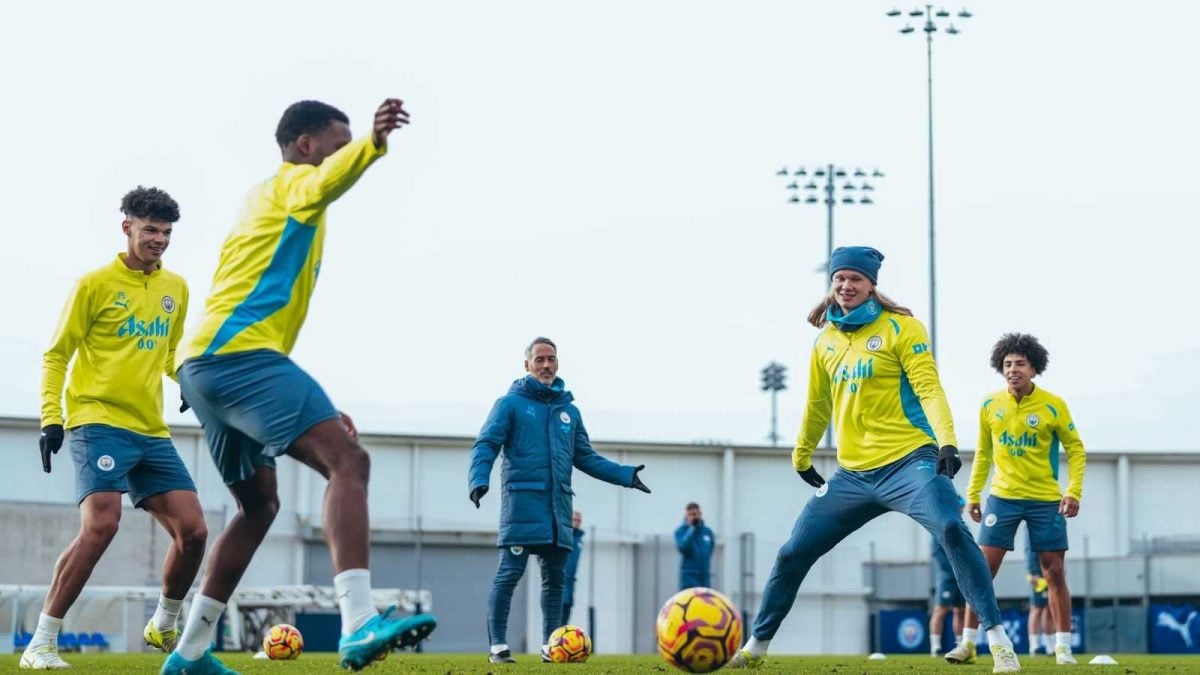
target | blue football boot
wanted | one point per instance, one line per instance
(374, 639)
(205, 665)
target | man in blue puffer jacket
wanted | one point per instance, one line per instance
(542, 437)
(695, 542)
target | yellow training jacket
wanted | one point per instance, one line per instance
(1023, 439)
(269, 264)
(122, 326)
(881, 386)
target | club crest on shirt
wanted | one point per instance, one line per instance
(874, 343)
(1032, 420)
(168, 304)
(564, 417)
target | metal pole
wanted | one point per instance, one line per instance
(774, 417)
(932, 246)
(592, 588)
(829, 201)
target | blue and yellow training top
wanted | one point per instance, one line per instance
(122, 327)
(881, 386)
(269, 264)
(1023, 441)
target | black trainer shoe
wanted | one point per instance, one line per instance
(502, 657)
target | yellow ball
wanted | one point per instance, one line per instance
(283, 642)
(569, 644)
(698, 630)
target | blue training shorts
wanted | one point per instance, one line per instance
(1047, 527)
(111, 459)
(1039, 598)
(253, 406)
(948, 593)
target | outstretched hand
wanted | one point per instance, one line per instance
(637, 482)
(388, 117)
(478, 494)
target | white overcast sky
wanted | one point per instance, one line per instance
(603, 173)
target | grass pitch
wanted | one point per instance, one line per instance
(131, 664)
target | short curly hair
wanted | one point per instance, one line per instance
(150, 203)
(306, 117)
(1024, 344)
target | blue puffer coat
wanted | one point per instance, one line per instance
(542, 437)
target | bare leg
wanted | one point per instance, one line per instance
(99, 517)
(180, 514)
(1053, 568)
(330, 450)
(258, 502)
(957, 621)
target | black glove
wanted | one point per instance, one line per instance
(637, 482)
(183, 404)
(478, 494)
(50, 442)
(948, 461)
(811, 477)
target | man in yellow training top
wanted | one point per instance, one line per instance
(256, 404)
(1021, 431)
(121, 326)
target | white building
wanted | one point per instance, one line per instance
(750, 497)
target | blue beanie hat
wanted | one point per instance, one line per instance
(863, 259)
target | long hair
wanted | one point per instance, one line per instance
(817, 316)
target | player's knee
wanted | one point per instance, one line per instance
(952, 533)
(102, 529)
(354, 463)
(1054, 572)
(262, 511)
(192, 538)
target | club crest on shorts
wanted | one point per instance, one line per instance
(516, 550)
(106, 463)
(168, 304)
(1032, 420)
(874, 343)
(822, 490)
(990, 520)
(564, 417)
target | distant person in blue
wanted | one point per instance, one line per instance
(542, 437)
(947, 595)
(1040, 621)
(695, 543)
(572, 566)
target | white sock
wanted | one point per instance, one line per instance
(756, 647)
(201, 628)
(935, 642)
(1048, 641)
(353, 588)
(969, 635)
(958, 640)
(1062, 640)
(496, 649)
(997, 636)
(1033, 643)
(167, 614)
(47, 631)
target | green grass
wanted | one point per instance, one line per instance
(477, 663)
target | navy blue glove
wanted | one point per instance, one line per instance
(50, 442)
(811, 477)
(948, 462)
(477, 494)
(637, 482)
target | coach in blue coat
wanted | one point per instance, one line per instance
(541, 435)
(695, 543)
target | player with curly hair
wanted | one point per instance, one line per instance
(121, 326)
(1022, 430)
